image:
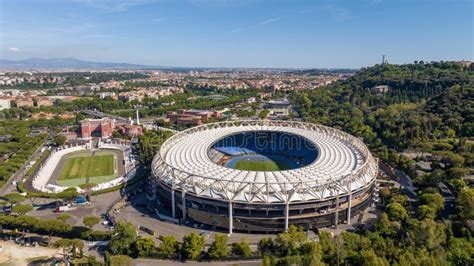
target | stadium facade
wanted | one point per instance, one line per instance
(326, 176)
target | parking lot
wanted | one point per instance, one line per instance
(99, 205)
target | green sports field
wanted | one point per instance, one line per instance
(79, 167)
(257, 166)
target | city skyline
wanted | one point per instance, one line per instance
(240, 33)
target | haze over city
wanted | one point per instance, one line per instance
(238, 33)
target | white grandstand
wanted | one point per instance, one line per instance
(41, 180)
(186, 164)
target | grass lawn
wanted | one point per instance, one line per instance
(249, 165)
(88, 166)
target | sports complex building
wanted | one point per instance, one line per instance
(262, 176)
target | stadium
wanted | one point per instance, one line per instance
(100, 165)
(262, 176)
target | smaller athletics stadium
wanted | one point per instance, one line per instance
(106, 165)
(262, 176)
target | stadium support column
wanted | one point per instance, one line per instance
(349, 208)
(287, 214)
(183, 204)
(173, 204)
(336, 220)
(231, 224)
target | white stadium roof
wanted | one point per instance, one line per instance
(343, 165)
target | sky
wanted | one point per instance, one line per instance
(239, 33)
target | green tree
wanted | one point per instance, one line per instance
(63, 217)
(288, 242)
(22, 209)
(396, 212)
(168, 247)
(242, 248)
(434, 200)
(192, 246)
(14, 198)
(460, 251)
(369, 258)
(385, 226)
(59, 140)
(427, 233)
(426, 211)
(123, 236)
(90, 221)
(143, 247)
(266, 246)
(120, 260)
(465, 203)
(218, 248)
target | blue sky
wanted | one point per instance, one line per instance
(239, 33)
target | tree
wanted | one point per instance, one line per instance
(121, 260)
(52, 227)
(192, 246)
(218, 248)
(143, 247)
(288, 242)
(396, 212)
(71, 246)
(369, 258)
(242, 248)
(263, 114)
(435, 200)
(59, 140)
(427, 233)
(168, 247)
(460, 251)
(385, 226)
(123, 236)
(14, 198)
(63, 217)
(22, 209)
(311, 252)
(465, 203)
(90, 221)
(426, 211)
(266, 246)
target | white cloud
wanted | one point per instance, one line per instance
(269, 21)
(13, 49)
(238, 30)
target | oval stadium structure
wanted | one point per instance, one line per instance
(262, 176)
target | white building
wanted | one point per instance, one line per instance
(5, 104)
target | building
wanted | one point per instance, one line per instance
(192, 117)
(325, 184)
(5, 103)
(278, 108)
(131, 130)
(43, 101)
(24, 102)
(102, 128)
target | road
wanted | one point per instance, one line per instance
(99, 114)
(449, 200)
(9, 186)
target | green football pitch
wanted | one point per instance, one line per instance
(77, 168)
(249, 165)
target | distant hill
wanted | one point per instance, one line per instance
(67, 63)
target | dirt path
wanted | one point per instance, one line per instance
(13, 254)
